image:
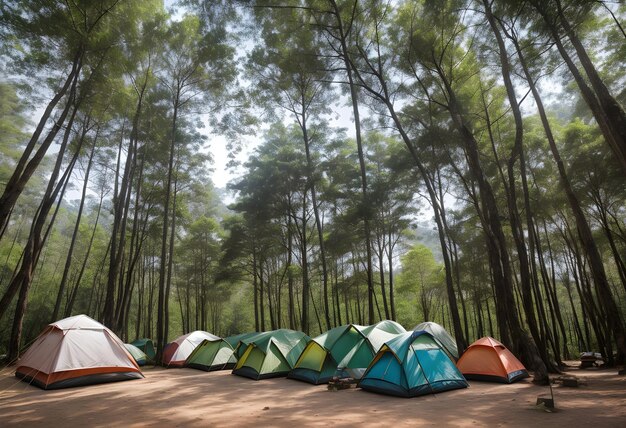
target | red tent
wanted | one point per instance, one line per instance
(487, 359)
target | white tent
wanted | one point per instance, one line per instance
(76, 351)
(176, 352)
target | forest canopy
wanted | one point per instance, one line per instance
(457, 161)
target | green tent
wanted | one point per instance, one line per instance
(350, 347)
(138, 355)
(146, 346)
(243, 342)
(211, 355)
(233, 341)
(441, 334)
(270, 354)
(412, 364)
(215, 354)
(381, 332)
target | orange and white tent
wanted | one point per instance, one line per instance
(176, 352)
(487, 359)
(76, 351)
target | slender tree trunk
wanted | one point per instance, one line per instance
(28, 258)
(23, 279)
(318, 221)
(516, 224)
(292, 317)
(608, 129)
(363, 172)
(384, 96)
(70, 252)
(24, 169)
(161, 331)
(585, 235)
(305, 270)
(615, 115)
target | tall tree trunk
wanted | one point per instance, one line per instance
(70, 252)
(516, 224)
(384, 96)
(23, 274)
(24, 169)
(363, 172)
(607, 127)
(316, 213)
(304, 324)
(161, 335)
(23, 279)
(615, 115)
(292, 317)
(614, 320)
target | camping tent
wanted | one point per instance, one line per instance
(441, 334)
(242, 343)
(212, 355)
(138, 355)
(381, 332)
(412, 364)
(146, 346)
(487, 359)
(76, 351)
(233, 341)
(215, 354)
(177, 351)
(346, 347)
(270, 354)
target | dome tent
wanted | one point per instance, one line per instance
(76, 351)
(233, 341)
(270, 354)
(146, 346)
(346, 347)
(489, 360)
(176, 352)
(215, 354)
(441, 334)
(412, 364)
(138, 355)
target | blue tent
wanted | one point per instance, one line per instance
(412, 364)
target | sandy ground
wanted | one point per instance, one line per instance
(187, 397)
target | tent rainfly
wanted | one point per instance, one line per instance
(349, 347)
(146, 346)
(412, 364)
(489, 360)
(76, 351)
(443, 337)
(176, 352)
(270, 354)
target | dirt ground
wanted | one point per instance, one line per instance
(187, 397)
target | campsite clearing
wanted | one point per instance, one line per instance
(188, 397)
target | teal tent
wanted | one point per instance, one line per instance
(412, 364)
(146, 346)
(346, 348)
(269, 354)
(138, 355)
(443, 337)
